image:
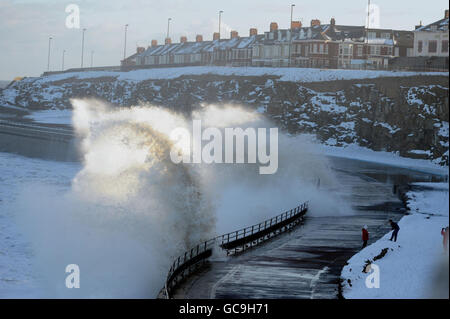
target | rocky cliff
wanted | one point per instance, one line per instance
(406, 114)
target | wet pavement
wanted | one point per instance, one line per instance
(307, 262)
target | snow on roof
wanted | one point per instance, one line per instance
(327, 32)
(441, 25)
(203, 46)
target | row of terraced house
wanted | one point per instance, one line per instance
(318, 45)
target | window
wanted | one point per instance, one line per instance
(444, 46)
(315, 47)
(432, 46)
(256, 51)
(360, 50)
(347, 49)
(386, 35)
(371, 35)
(420, 46)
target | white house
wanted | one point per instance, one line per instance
(432, 40)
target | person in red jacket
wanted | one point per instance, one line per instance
(444, 233)
(365, 236)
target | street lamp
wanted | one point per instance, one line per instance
(367, 35)
(48, 58)
(92, 59)
(290, 39)
(220, 20)
(82, 47)
(63, 53)
(168, 27)
(125, 43)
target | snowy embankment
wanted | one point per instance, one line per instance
(285, 74)
(414, 267)
(356, 152)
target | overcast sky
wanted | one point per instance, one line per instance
(25, 25)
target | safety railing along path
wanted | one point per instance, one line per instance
(233, 243)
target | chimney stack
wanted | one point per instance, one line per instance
(154, 43)
(333, 21)
(234, 34)
(315, 22)
(446, 14)
(183, 39)
(216, 36)
(168, 41)
(253, 31)
(296, 25)
(199, 38)
(273, 26)
(140, 49)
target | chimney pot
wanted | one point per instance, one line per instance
(154, 43)
(168, 41)
(253, 31)
(199, 38)
(315, 22)
(234, 34)
(333, 21)
(216, 36)
(296, 25)
(446, 14)
(183, 39)
(140, 49)
(273, 26)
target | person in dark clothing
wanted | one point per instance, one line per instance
(395, 229)
(365, 236)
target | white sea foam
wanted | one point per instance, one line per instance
(131, 210)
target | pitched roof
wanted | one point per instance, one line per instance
(441, 25)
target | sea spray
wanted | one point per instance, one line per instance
(131, 210)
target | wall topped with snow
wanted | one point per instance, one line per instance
(284, 74)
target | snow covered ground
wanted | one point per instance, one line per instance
(353, 151)
(285, 74)
(18, 173)
(415, 266)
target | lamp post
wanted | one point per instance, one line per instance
(62, 66)
(367, 35)
(290, 36)
(125, 43)
(48, 57)
(220, 21)
(92, 59)
(168, 27)
(82, 47)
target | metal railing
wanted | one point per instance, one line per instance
(233, 243)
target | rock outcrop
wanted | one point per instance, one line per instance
(408, 115)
